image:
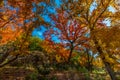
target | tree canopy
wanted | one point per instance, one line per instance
(84, 28)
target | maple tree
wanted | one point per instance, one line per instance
(93, 13)
(70, 33)
(18, 20)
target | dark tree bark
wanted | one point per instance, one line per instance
(70, 54)
(110, 70)
(8, 62)
(89, 61)
(107, 65)
(5, 54)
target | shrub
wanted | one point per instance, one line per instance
(32, 76)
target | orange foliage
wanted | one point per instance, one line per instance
(8, 34)
(57, 50)
(13, 20)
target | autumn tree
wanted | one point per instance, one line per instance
(89, 58)
(57, 53)
(70, 33)
(93, 13)
(109, 41)
(18, 18)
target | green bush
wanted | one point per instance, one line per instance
(83, 70)
(44, 72)
(35, 44)
(53, 78)
(32, 76)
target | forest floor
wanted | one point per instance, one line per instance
(21, 73)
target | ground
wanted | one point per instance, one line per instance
(21, 73)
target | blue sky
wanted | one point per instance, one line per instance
(41, 29)
(51, 9)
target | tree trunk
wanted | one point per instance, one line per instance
(5, 55)
(107, 65)
(70, 55)
(11, 60)
(89, 61)
(110, 70)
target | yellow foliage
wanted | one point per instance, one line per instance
(58, 58)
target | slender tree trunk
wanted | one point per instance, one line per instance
(89, 66)
(70, 55)
(8, 62)
(5, 55)
(107, 65)
(71, 50)
(110, 70)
